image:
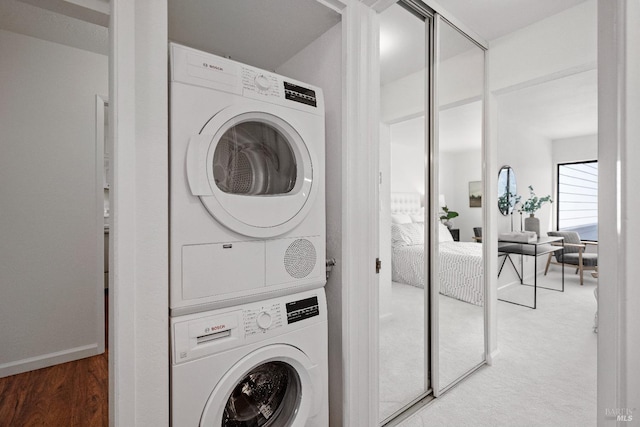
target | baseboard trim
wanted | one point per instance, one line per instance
(49, 359)
(492, 356)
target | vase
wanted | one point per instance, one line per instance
(532, 224)
(448, 224)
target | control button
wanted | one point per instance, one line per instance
(264, 320)
(262, 82)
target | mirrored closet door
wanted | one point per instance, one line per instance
(432, 298)
(403, 291)
(457, 267)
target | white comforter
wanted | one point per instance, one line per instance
(461, 269)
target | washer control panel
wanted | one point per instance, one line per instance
(302, 309)
(263, 318)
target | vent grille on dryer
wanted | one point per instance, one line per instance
(300, 258)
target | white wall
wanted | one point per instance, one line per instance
(50, 225)
(577, 149)
(457, 169)
(320, 64)
(545, 48)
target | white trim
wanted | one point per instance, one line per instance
(360, 232)
(431, 263)
(618, 155)
(466, 31)
(100, 103)
(491, 357)
(50, 359)
(122, 344)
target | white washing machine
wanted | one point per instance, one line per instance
(247, 202)
(259, 364)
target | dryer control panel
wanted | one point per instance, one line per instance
(200, 334)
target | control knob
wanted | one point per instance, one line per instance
(262, 82)
(264, 320)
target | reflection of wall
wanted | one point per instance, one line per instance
(404, 97)
(457, 169)
(407, 156)
(407, 168)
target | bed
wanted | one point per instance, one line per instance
(460, 263)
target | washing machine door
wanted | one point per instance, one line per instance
(253, 170)
(275, 386)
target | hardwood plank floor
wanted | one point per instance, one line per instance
(66, 395)
(73, 394)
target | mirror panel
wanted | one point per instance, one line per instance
(403, 346)
(507, 190)
(457, 186)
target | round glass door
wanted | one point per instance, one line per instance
(254, 158)
(253, 170)
(269, 395)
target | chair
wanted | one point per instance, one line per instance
(573, 253)
(477, 231)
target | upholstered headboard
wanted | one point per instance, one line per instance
(405, 203)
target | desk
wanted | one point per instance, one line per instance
(542, 246)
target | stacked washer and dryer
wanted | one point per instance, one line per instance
(247, 246)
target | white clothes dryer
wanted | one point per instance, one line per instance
(247, 202)
(259, 364)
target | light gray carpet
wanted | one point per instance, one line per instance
(545, 374)
(402, 345)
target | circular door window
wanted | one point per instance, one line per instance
(255, 169)
(268, 395)
(254, 158)
(270, 387)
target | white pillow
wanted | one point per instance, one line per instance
(417, 217)
(444, 235)
(408, 234)
(400, 219)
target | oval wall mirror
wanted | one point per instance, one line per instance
(507, 190)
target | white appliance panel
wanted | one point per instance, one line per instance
(222, 268)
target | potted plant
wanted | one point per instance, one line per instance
(531, 206)
(447, 217)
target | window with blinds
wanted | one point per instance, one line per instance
(577, 200)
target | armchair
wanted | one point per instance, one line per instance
(573, 254)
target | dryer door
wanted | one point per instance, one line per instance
(253, 170)
(274, 386)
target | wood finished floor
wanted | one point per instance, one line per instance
(70, 394)
(73, 394)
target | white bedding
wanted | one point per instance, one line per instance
(461, 269)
